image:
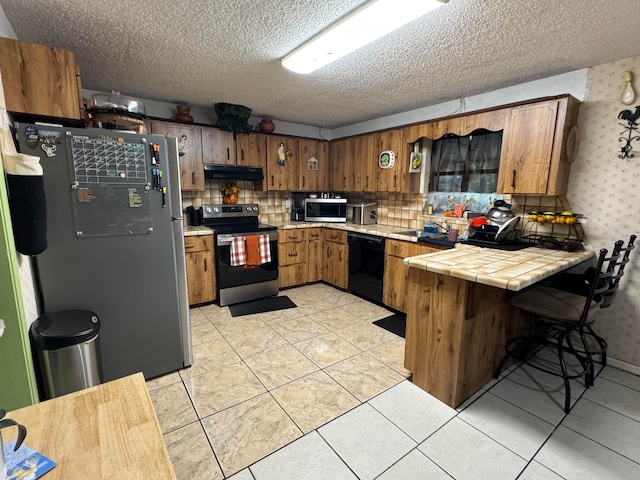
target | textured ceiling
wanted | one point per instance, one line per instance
(204, 51)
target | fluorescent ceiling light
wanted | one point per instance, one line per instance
(366, 24)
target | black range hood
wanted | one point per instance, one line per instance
(233, 172)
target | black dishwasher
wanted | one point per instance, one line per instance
(366, 265)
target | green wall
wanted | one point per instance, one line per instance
(17, 380)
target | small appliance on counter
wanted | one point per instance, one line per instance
(297, 210)
(325, 210)
(194, 216)
(500, 213)
(364, 213)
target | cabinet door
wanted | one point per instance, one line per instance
(251, 151)
(314, 259)
(200, 277)
(396, 273)
(190, 151)
(391, 179)
(335, 264)
(395, 282)
(39, 80)
(365, 162)
(218, 147)
(282, 174)
(313, 176)
(527, 145)
(342, 165)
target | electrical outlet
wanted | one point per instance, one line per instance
(287, 203)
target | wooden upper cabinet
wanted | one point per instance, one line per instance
(365, 163)
(313, 175)
(39, 80)
(392, 179)
(218, 147)
(251, 151)
(190, 151)
(342, 165)
(533, 159)
(282, 175)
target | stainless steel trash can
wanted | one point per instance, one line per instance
(65, 350)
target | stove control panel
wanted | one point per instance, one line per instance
(212, 211)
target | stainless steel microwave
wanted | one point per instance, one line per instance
(325, 209)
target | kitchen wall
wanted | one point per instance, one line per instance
(606, 189)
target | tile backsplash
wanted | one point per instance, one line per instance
(402, 210)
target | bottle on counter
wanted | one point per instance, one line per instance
(430, 209)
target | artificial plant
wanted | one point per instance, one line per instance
(233, 118)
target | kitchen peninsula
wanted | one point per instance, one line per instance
(459, 318)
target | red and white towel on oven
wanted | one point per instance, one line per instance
(239, 253)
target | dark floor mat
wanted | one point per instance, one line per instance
(259, 306)
(396, 323)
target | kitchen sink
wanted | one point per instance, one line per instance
(420, 233)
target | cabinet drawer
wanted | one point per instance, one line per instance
(198, 243)
(292, 253)
(338, 236)
(295, 235)
(314, 234)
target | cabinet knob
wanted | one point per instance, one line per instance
(193, 178)
(228, 154)
(513, 180)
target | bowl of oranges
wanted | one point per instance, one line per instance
(566, 217)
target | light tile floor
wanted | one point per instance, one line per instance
(319, 392)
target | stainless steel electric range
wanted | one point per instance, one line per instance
(236, 283)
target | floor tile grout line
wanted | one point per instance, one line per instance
(337, 454)
(612, 410)
(322, 369)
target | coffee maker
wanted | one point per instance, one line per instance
(297, 210)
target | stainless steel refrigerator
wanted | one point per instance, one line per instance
(115, 242)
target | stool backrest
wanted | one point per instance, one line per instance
(601, 281)
(617, 269)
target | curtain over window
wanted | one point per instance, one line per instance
(466, 164)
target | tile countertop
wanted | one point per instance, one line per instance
(191, 230)
(508, 270)
(376, 229)
(380, 230)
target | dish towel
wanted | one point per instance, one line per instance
(238, 253)
(253, 251)
(265, 248)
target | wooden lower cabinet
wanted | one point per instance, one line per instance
(201, 276)
(314, 259)
(335, 262)
(394, 293)
(292, 257)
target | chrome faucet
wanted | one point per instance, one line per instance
(445, 228)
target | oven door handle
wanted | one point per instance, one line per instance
(223, 240)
